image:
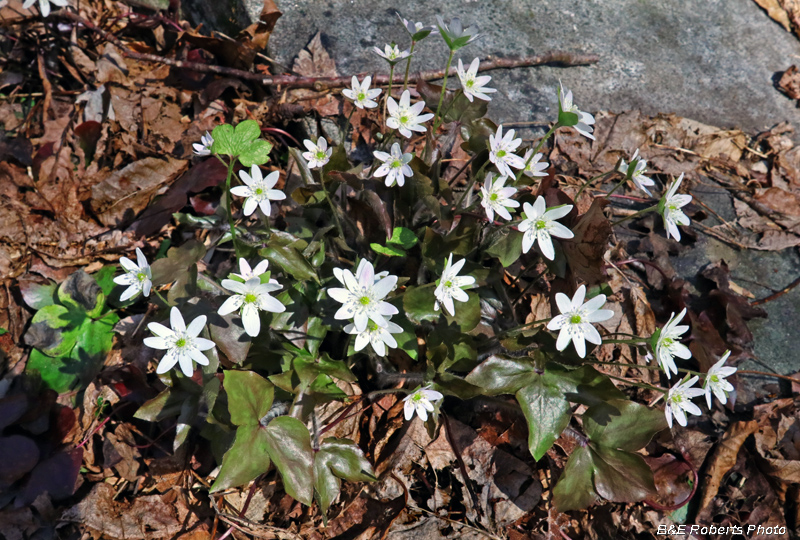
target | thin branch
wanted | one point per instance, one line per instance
(556, 58)
(777, 294)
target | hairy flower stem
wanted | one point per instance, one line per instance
(511, 331)
(636, 341)
(388, 92)
(652, 367)
(166, 302)
(231, 222)
(615, 188)
(408, 65)
(637, 214)
(347, 126)
(590, 180)
(640, 385)
(536, 150)
(330, 203)
(437, 119)
(471, 183)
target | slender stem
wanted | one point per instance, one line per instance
(452, 101)
(408, 65)
(330, 203)
(437, 118)
(651, 367)
(615, 188)
(471, 183)
(388, 91)
(640, 385)
(637, 214)
(636, 341)
(347, 125)
(590, 180)
(536, 151)
(231, 222)
(523, 326)
(166, 302)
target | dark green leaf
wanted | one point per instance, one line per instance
(249, 396)
(501, 375)
(547, 413)
(338, 458)
(507, 248)
(167, 404)
(621, 476)
(177, 262)
(289, 446)
(229, 335)
(631, 430)
(105, 279)
(38, 295)
(418, 303)
(50, 330)
(575, 489)
(80, 292)
(290, 260)
(245, 460)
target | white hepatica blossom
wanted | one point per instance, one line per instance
(575, 321)
(540, 224)
(203, 148)
(360, 93)
(501, 150)
(246, 273)
(715, 380)
(534, 166)
(585, 120)
(451, 285)
(362, 297)
(420, 402)
(670, 208)
(635, 171)
(258, 190)
(318, 154)
(667, 344)
(404, 116)
(472, 85)
(251, 296)
(137, 276)
(497, 198)
(395, 166)
(416, 30)
(392, 53)
(679, 401)
(181, 343)
(378, 336)
(44, 5)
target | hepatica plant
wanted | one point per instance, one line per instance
(410, 258)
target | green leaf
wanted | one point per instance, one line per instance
(3, 331)
(256, 153)
(81, 293)
(468, 314)
(621, 476)
(338, 458)
(631, 430)
(289, 446)
(309, 368)
(105, 279)
(575, 490)
(502, 375)
(418, 303)
(177, 262)
(246, 459)
(229, 335)
(50, 330)
(38, 295)
(547, 413)
(290, 260)
(165, 405)
(249, 397)
(389, 250)
(507, 248)
(223, 140)
(567, 119)
(403, 237)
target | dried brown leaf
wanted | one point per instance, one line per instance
(725, 458)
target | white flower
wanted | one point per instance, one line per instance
(246, 273)
(378, 336)
(251, 296)
(44, 5)
(667, 344)
(258, 190)
(500, 151)
(338, 273)
(392, 53)
(416, 30)
(539, 225)
(679, 401)
(450, 286)
(496, 198)
(670, 207)
(454, 33)
(203, 148)
(395, 166)
(360, 94)
(472, 85)
(637, 173)
(318, 154)
(137, 276)
(534, 167)
(181, 343)
(585, 120)
(420, 401)
(715, 380)
(405, 117)
(362, 299)
(575, 320)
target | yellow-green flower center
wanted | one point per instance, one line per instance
(321, 155)
(416, 398)
(448, 283)
(715, 378)
(141, 276)
(493, 197)
(667, 342)
(250, 298)
(362, 96)
(181, 342)
(541, 224)
(470, 83)
(403, 119)
(677, 398)
(259, 191)
(575, 319)
(364, 300)
(372, 326)
(501, 153)
(396, 164)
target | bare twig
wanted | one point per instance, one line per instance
(777, 294)
(558, 58)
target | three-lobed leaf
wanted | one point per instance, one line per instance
(338, 459)
(289, 447)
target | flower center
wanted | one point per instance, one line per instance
(416, 398)
(715, 378)
(141, 276)
(667, 342)
(403, 119)
(181, 342)
(372, 326)
(396, 164)
(448, 283)
(575, 319)
(470, 83)
(250, 298)
(501, 153)
(364, 300)
(362, 96)
(259, 191)
(493, 197)
(677, 398)
(321, 154)
(540, 224)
